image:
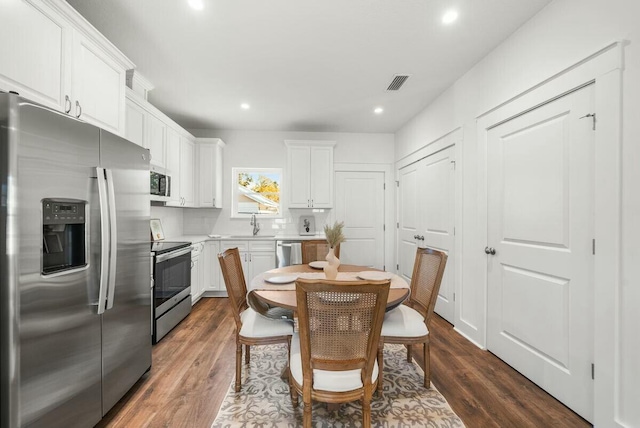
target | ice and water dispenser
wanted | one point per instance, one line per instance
(63, 235)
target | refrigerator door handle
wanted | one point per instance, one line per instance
(113, 239)
(104, 239)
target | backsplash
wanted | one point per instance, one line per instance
(204, 221)
(171, 218)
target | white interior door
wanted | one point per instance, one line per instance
(408, 220)
(436, 202)
(360, 204)
(540, 223)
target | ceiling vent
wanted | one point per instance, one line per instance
(397, 82)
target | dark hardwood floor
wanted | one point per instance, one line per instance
(194, 365)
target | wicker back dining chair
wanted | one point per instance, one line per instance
(333, 357)
(316, 249)
(408, 324)
(251, 328)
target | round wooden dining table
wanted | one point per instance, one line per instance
(286, 298)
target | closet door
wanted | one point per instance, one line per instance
(540, 230)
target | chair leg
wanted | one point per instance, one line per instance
(293, 392)
(427, 365)
(247, 354)
(238, 366)
(408, 353)
(366, 413)
(307, 414)
(380, 367)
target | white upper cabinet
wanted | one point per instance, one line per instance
(187, 179)
(136, 123)
(58, 59)
(34, 42)
(310, 172)
(157, 141)
(209, 172)
(99, 85)
(173, 166)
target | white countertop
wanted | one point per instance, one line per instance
(202, 238)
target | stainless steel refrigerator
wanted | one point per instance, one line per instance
(75, 314)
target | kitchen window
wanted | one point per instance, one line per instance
(256, 191)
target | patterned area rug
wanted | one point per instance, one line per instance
(264, 400)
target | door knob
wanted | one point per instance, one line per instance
(416, 236)
(421, 237)
(490, 250)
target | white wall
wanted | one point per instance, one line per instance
(564, 33)
(266, 149)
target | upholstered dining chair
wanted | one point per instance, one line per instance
(251, 328)
(333, 357)
(408, 324)
(316, 249)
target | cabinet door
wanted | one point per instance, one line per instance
(321, 177)
(246, 267)
(206, 175)
(172, 142)
(196, 279)
(98, 86)
(33, 46)
(187, 181)
(299, 165)
(157, 141)
(260, 262)
(212, 268)
(136, 124)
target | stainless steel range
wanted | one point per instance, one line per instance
(172, 285)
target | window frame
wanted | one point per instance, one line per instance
(235, 171)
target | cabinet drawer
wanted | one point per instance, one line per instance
(241, 245)
(262, 246)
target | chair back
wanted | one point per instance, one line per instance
(428, 270)
(339, 324)
(233, 275)
(317, 249)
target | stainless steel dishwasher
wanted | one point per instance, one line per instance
(283, 252)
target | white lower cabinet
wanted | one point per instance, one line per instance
(197, 271)
(256, 256)
(214, 283)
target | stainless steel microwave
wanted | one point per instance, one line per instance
(160, 184)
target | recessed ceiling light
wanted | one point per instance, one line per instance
(378, 110)
(196, 4)
(245, 106)
(449, 17)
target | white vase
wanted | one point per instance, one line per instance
(331, 269)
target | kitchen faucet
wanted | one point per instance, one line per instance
(254, 223)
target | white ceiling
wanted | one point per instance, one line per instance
(302, 65)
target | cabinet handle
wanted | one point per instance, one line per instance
(311, 203)
(78, 109)
(67, 102)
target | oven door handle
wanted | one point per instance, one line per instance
(164, 257)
